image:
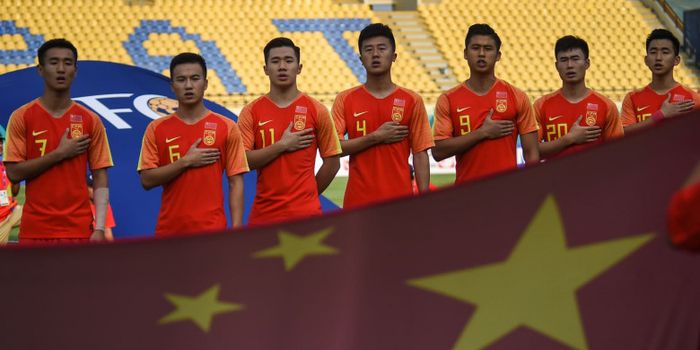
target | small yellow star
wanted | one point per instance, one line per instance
(293, 248)
(200, 309)
(535, 287)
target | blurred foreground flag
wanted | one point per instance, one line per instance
(569, 254)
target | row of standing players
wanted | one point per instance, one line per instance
(51, 139)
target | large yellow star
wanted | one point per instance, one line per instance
(200, 309)
(535, 287)
(293, 248)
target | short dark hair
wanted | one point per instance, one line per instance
(482, 29)
(375, 30)
(658, 34)
(54, 43)
(570, 42)
(281, 42)
(187, 57)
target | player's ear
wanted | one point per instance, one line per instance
(588, 62)
(265, 70)
(206, 84)
(465, 53)
(498, 56)
(299, 69)
(393, 58)
(677, 60)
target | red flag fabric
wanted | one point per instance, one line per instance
(572, 253)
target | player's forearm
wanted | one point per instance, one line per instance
(357, 145)
(29, 169)
(326, 173)
(553, 147)
(456, 145)
(100, 197)
(531, 152)
(151, 178)
(638, 126)
(235, 199)
(421, 166)
(261, 157)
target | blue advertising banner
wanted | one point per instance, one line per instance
(127, 98)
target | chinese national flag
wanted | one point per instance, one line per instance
(568, 254)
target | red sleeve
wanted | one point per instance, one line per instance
(613, 124)
(527, 122)
(245, 124)
(99, 154)
(442, 125)
(236, 161)
(15, 141)
(148, 159)
(338, 113)
(419, 131)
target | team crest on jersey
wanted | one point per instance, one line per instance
(76, 118)
(397, 114)
(591, 117)
(501, 105)
(299, 122)
(210, 126)
(209, 137)
(76, 130)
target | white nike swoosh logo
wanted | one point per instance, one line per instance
(359, 114)
(167, 140)
(555, 118)
(263, 123)
(37, 133)
(459, 110)
(642, 108)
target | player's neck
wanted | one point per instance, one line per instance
(56, 102)
(191, 114)
(662, 83)
(380, 86)
(481, 84)
(575, 92)
(283, 97)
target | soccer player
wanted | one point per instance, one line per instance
(50, 143)
(664, 97)
(10, 210)
(574, 117)
(385, 123)
(281, 132)
(187, 153)
(479, 121)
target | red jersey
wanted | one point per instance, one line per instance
(640, 104)
(556, 115)
(684, 218)
(460, 111)
(286, 186)
(380, 172)
(57, 203)
(193, 201)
